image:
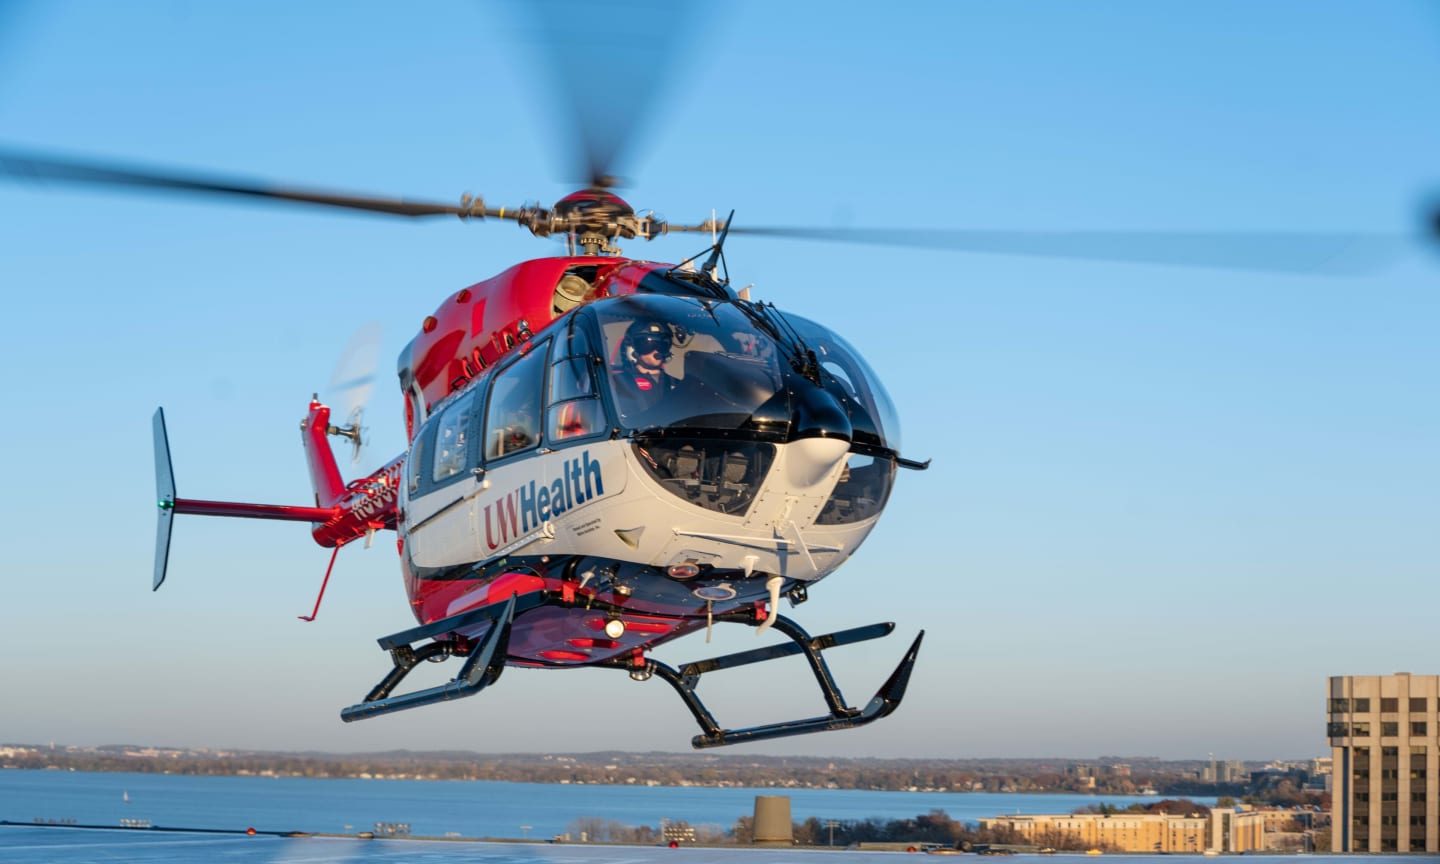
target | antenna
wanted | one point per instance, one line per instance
(717, 250)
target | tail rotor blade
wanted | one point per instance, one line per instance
(353, 381)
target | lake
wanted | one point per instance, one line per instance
(468, 808)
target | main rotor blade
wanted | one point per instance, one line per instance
(608, 66)
(28, 166)
(1320, 253)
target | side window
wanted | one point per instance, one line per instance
(512, 422)
(415, 462)
(452, 438)
(575, 410)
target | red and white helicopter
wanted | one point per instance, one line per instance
(604, 454)
(559, 505)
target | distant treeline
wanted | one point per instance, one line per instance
(665, 769)
(934, 827)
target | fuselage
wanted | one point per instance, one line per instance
(748, 459)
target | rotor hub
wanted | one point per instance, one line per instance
(593, 218)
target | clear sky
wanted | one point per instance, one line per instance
(1165, 503)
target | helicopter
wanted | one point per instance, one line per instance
(558, 504)
(550, 513)
(762, 475)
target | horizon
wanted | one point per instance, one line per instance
(1166, 503)
(697, 754)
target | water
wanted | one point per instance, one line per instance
(467, 808)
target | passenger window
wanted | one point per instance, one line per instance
(452, 438)
(512, 423)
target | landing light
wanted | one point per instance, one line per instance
(684, 570)
(614, 628)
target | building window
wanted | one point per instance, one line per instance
(1362, 754)
(1389, 774)
(1418, 727)
(1389, 704)
(1389, 752)
(1417, 774)
(1362, 797)
(1337, 730)
(1417, 703)
(1339, 706)
(1362, 706)
(1360, 730)
(1389, 796)
(1389, 728)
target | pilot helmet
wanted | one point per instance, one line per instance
(644, 336)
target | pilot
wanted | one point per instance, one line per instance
(642, 382)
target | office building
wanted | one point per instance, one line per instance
(1383, 745)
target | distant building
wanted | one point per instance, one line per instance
(1236, 830)
(1226, 829)
(1321, 775)
(1382, 731)
(1129, 832)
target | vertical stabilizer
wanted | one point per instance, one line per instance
(164, 497)
(324, 473)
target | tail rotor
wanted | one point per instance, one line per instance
(352, 384)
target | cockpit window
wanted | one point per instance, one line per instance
(684, 362)
(573, 403)
(849, 378)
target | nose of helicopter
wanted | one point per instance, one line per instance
(821, 437)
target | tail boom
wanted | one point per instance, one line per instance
(342, 513)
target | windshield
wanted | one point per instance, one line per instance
(846, 375)
(688, 363)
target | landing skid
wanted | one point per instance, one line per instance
(841, 716)
(482, 668)
(485, 660)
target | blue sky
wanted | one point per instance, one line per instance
(1165, 503)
